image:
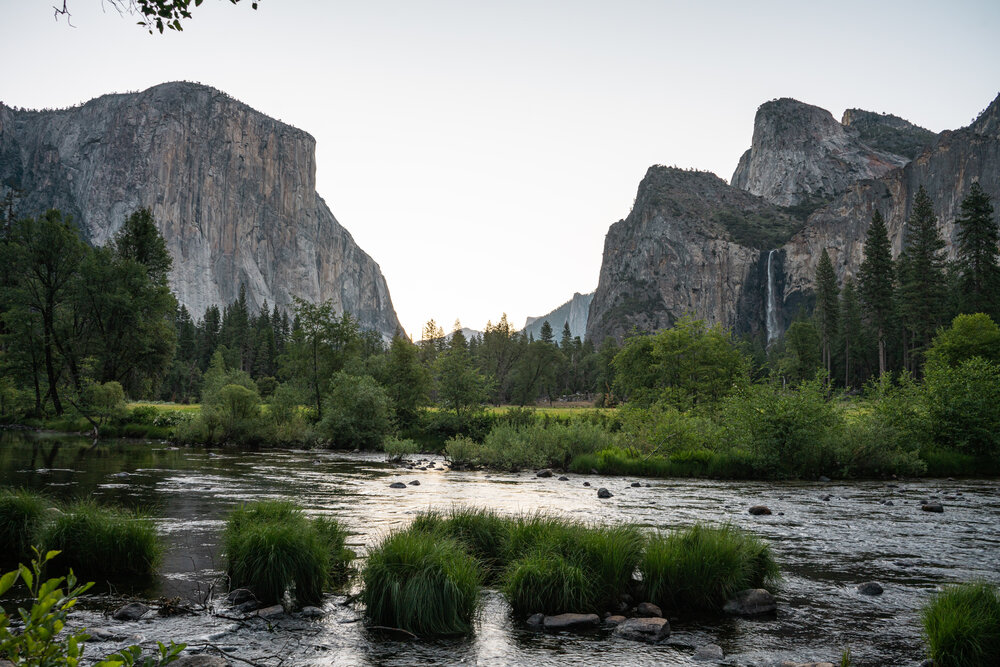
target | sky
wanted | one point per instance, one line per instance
(480, 151)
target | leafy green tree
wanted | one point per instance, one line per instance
(801, 356)
(876, 278)
(968, 336)
(976, 248)
(536, 372)
(461, 387)
(498, 353)
(961, 405)
(923, 284)
(406, 380)
(358, 412)
(827, 308)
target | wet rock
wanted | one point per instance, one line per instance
(927, 663)
(101, 635)
(636, 485)
(932, 507)
(544, 473)
(415, 482)
(870, 588)
(708, 652)
(536, 620)
(648, 610)
(649, 630)
(822, 478)
(758, 510)
(200, 660)
(789, 663)
(604, 493)
(133, 611)
(751, 602)
(586, 483)
(571, 621)
(826, 497)
(311, 612)
(593, 471)
(240, 595)
(950, 498)
(614, 619)
(397, 485)
(564, 479)
(271, 612)
(888, 503)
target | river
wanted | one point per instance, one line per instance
(825, 549)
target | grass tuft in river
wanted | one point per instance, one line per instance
(272, 547)
(962, 625)
(22, 515)
(703, 566)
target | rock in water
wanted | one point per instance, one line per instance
(271, 612)
(571, 621)
(758, 510)
(233, 192)
(544, 473)
(536, 621)
(932, 507)
(614, 619)
(649, 630)
(200, 660)
(133, 611)
(708, 652)
(240, 595)
(311, 612)
(397, 485)
(604, 493)
(648, 610)
(751, 602)
(870, 588)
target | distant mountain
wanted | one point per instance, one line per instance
(574, 311)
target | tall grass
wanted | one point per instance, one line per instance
(484, 533)
(273, 548)
(703, 566)
(962, 626)
(726, 464)
(422, 582)
(545, 582)
(22, 514)
(103, 542)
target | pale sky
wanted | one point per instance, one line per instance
(479, 151)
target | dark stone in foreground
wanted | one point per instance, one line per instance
(758, 510)
(415, 482)
(200, 660)
(708, 652)
(648, 610)
(240, 595)
(870, 588)
(564, 479)
(311, 612)
(586, 483)
(133, 611)
(544, 473)
(932, 507)
(649, 630)
(751, 602)
(636, 485)
(536, 621)
(397, 485)
(571, 621)
(270, 612)
(614, 619)
(604, 493)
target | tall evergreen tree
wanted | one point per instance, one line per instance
(922, 280)
(850, 331)
(545, 333)
(876, 279)
(567, 337)
(978, 236)
(827, 308)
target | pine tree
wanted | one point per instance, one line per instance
(922, 280)
(827, 307)
(545, 333)
(978, 236)
(876, 283)
(850, 330)
(567, 337)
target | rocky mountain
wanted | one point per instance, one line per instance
(744, 255)
(574, 312)
(800, 155)
(232, 190)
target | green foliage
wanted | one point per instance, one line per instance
(396, 449)
(801, 357)
(703, 566)
(357, 413)
(968, 336)
(976, 249)
(537, 445)
(547, 583)
(484, 533)
(922, 281)
(875, 282)
(663, 429)
(407, 381)
(421, 582)
(725, 464)
(274, 549)
(461, 387)
(963, 406)
(962, 625)
(103, 542)
(104, 402)
(22, 514)
(763, 228)
(827, 307)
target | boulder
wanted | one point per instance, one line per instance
(751, 602)
(636, 485)
(604, 493)
(789, 663)
(397, 485)
(822, 478)
(240, 595)
(536, 621)
(708, 652)
(649, 630)
(870, 588)
(571, 621)
(200, 660)
(586, 483)
(648, 610)
(312, 612)
(564, 479)
(544, 473)
(271, 612)
(415, 482)
(932, 507)
(133, 611)
(826, 498)
(614, 619)
(758, 510)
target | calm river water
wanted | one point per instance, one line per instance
(825, 548)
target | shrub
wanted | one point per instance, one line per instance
(22, 514)
(461, 451)
(962, 625)
(963, 406)
(273, 548)
(968, 336)
(547, 583)
(104, 402)
(703, 566)
(421, 582)
(664, 429)
(356, 413)
(103, 542)
(397, 448)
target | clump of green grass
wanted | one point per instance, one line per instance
(484, 533)
(22, 514)
(962, 625)
(547, 583)
(703, 566)
(103, 542)
(274, 549)
(422, 582)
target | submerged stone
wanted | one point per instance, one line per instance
(604, 493)
(649, 630)
(751, 602)
(708, 652)
(758, 510)
(870, 588)
(133, 611)
(571, 621)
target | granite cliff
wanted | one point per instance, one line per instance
(574, 312)
(232, 190)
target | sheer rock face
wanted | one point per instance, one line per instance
(232, 190)
(801, 155)
(674, 255)
(574, 312)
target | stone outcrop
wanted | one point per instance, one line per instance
(232, 190)
(574, 312)
(888, 133)
(801, 155)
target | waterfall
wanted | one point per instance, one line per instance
(772, 310)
